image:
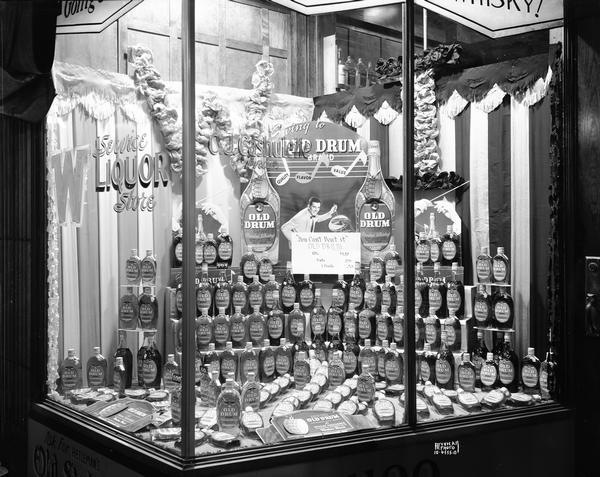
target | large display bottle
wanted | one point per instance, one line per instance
(375, 208)
(260, 205)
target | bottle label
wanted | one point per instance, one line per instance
(484, 271)
(228, 365)
(179, 252)
(488, 375)
(392, 369)
(431, 331)
(443, 371)
(148, 270)
(69, 378)
(391, 267)
(282, 363)
(275, 326)
(450, 335)
(356, 295)
(317, 323)
(228, 414)
(268, 366)
(499, 270)
(364, 326)
(203, 298)
(350, 362)
(221, 332)
(375, 226)
(222, 298)
(422, 252)
(297, 326)
(306, 297)
(96, 376)
(386, 297)
(249, 269)
(259, 227)
(239, 298)
(337, 375)
(271, 298)
(288, 296)
(116, 379)
(179, 301)
(529, 376)
(478, 361)
(238, 331)
(448, 250)
(251, 396)
(502, 311)
(132, 270)
(544, 381)
(149, 371)
(453, 299)
(365, 389)
(203, 334)
(257, 330)
(381, 364)
(506, 370)
(371, 297)
(249, 366)
(435, 299)
(381, 329)
(338, 298)
(434, 252)
(146, 313)
(225, 251)
(265, 270)
(376, 269)
(198, 253)
(418, 298)
(368, 362)
(210, 253)
(334, 324)
(481, 310)
(398, 326)
(127, 312)
(350, 327)
(466, 378)
(255, 297)
(425, 370)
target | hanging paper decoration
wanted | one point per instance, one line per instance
(427, 157)
(386, 114)
(354, 118)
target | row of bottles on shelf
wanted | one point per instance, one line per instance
(217, 252)
(494, 270)
(354, 74)
(138, 270)
(430, 248)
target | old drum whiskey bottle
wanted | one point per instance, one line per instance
(260, 213)
(374, 206)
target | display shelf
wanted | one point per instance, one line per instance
(491, 328)
(138, 330)
(494, 284)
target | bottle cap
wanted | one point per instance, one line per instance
(119, 361)
(296, 306)
(340, 277)
(436, 266)
(426, 347)
(454, 266)
(385, 343)
(96, 349)
(211, 346)
(228, 345)
(204, 267)
(306, 277)
(221, 310)
(367, 342)
(530, 351)
(302, 355)
(282, 341)
(240, 278)
(466, 357)
(70, 353)
(490, 356)
(249, 345)
(500, 250)
(210, 236)
(266, 343)
(148, 253)
(393, 345)
(133, 252)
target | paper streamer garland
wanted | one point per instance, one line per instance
(427, 157)
(53, 293)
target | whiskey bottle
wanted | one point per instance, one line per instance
(265, 268)
(172, 374)
(350, 72)
(335, 318)
(229, 362)
(377, 268)
(380, 359)
(500, 267)
(421, 291)
(212, 360)
(97, 370)
(198, 364)
(508, 366)
(297, 324)
(375, 208)
(256, 294)
(373, 296)
(222, 294)
(384, 330)
(489, 373)
(69, 372)
(337, 373)
(350, 358)
(271, 293)
(289, 290)
(199, 244)
(498, 345)
(319, 348)
(318, 318)
(221, 329)
(133, 268)
(275, 321)
(455, 294)
(260, 213)
(350, 325)
(204, 383)
(530, 372)
(239, 295)
(398, 326)
(483, 266)
(341, 72)
(365, 386)
(361, 74)
(249, 265)
(152, 365)
(210, 250)
(283, 358)
(140, 358)
(204, 330)
(257, 327)
(248, 362)
(356, 294)
(178, 249)
(419, 330)
(266, 361)
(124, 352)
(467, 374)
(129, 310)
(427, 365)
(229, 409)
(204, 292)
(444, 366)
(392, 261)
(148, 310)
(482, 307)
(450, 247)
(437, 293)
(423, 250)
(238, 328)
(339, 296)
(389, 296)
(214, 389)
(432, 330)
(306, 292)
(503, 309)
(119, 377)
(301, 371)
(224, 248)
(367, 357)
(251, 392)
(335, 344)
(394, 366)
(148, 268)
(548, 372)
(479, 356)
(453, 332)
(366, 325)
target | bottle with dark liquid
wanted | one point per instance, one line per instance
(350, 325)
(301, 371)
(356, 293)
(437, 293)
(422, 249)
(221, 329)
(479, 356)
(210, 250)
(350, 72)
(283, 358)
(508, 366)
(453, 332)
(124, 352)
(444, 366)
(373, 296)
(319, 347)
(256, 294)
(350, 358)
(392, 261)
(222, 294)
(318, 319)
(257, 327)
(489, 373)
(455, 294)
(204, 292)
(435, 247)
(421, 291)
(394, 365)
(380, 357)
(265, 268)
(548, 372)
(503, 309)
(119, 377)
(335, 341)
(498, 345)
(483, 266)
(152, 365)
(384, 330)
(367, 357)
(398, 327)
(340, 294)
(178, 249)
(450, 247)
(148, 310)
(199, 245)
(70, 373)
(297, 324)
(140, 358)
(530, 372)
(129, 310)
(377, 269)
(229, 361)
(366, 325)
(239, 295)
(204, 330)
(389, 295)
(427, 365)
(306, 292)
(271, 292)
(224, 248)
(432, 330)
(288, 290)
(179, 300)
(249, 265)
(238, 328)
(275, 321)
(97, 370)
(466, 374)
(419, 330)
(335, 319)
(501, 267)
(482, 307)
(266, 362)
